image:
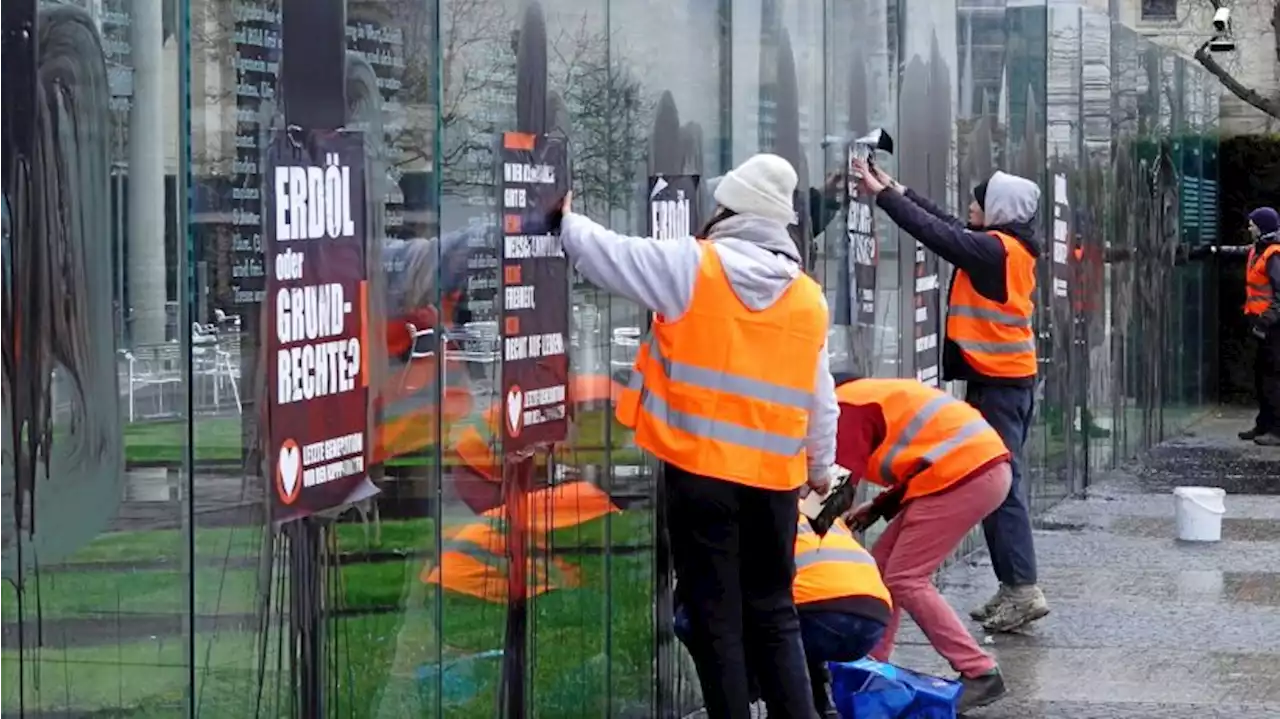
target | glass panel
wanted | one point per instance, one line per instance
(1055, 430)
(99, 381)
(861, 81)
(1096, 255)
(926, 125)
(260, 587)
(146, 573)
(671, 80)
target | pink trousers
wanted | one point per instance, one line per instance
(912, 548)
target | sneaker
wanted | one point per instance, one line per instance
(1250, 434)
(981, 691)
(983, 612)
(1270, 439)
(1024, 606)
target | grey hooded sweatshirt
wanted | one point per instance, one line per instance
(761, 262)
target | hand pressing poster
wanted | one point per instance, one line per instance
(535, 292)
(317, 382)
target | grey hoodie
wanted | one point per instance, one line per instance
(761, 262)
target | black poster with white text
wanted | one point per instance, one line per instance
(535, 292)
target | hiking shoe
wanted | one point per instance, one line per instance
(1250, 434)
(981, 691)
(985, 611)
(1024, 606)
(1270, 439)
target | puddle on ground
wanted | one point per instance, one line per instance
(1193, 586)
(1233, 530)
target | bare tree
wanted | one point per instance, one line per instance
(1270, 104)
(609, 113)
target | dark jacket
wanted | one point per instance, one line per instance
(1010, 207)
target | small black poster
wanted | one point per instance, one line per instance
(861, 231)
(535, 292)
(673, 206)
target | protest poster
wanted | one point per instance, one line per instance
(861, 232)
(673, 206)
(535, 292)
(316, 322)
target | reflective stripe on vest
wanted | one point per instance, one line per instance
(821, 554)
(1257, 284)
(834, 566)
(725, 391)
(997, 340)
(713, 429)
(932, 440)
(909, 435)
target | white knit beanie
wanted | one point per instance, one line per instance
(762, 186)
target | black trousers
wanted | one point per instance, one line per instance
(733, 548)
(1266, 369)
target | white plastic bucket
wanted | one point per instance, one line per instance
(1199, 513)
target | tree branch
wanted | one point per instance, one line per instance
(1268, 105)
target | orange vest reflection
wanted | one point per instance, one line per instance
(473, 560)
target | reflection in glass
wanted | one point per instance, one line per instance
(138, 552)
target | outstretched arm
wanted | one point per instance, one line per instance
(824, 418)
(927, 205)
(658, 274)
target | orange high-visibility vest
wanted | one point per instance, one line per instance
(932, 440)
(834, 566)
(996, 338)
(1257, 285)
(473, 561)
(724, 391)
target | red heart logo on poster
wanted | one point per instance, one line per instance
(289, 471)
(515, 410)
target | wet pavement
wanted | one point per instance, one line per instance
(1145, 627)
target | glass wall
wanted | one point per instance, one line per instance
(157, 562)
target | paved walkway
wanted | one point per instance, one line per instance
(1144, 627)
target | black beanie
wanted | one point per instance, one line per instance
(980, 194)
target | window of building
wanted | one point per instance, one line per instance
(1159, 9)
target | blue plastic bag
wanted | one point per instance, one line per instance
(867, 689)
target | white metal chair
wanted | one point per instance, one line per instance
(158, 366)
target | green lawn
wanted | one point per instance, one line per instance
(388, 661)
(218, 439)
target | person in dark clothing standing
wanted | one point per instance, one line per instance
(1262, 310)
(990, 344)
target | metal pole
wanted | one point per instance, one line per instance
(146, 265)
(313, 88)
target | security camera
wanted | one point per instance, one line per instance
(1222, 43)
(1222, 19)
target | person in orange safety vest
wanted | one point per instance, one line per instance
(842, 602)
(732, 392)
(945, 469)
(990, 343)
(1262, 312)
